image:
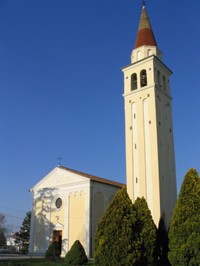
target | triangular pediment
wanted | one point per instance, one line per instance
(59, 177)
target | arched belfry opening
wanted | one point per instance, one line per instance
(134, 81)
(143, 78)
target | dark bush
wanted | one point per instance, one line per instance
(53, 251)
(162, 242)
(76, 255)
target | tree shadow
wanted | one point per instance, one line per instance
(42, 228)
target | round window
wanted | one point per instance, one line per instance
(58, 203)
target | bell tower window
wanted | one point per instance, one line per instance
(134, 81)
(164, 83)
(143, 78)
(158, 79)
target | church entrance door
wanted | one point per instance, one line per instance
(57, 238)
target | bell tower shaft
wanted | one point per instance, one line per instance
(150, 161)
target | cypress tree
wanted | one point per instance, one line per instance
(114, 238)
(146, 234)
(184, 232)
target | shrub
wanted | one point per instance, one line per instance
(53, 251)
(76, 255)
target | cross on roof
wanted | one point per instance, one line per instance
(59, 158)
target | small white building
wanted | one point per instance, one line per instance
(67, 206)
(10, 240)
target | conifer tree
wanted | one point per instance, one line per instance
(2, 230)
(23, 236)
(2, 239)
(146, 233)
(114, 240)
(184, 233)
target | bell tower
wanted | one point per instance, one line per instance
(150, 160)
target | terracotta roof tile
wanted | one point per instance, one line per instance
(93, 178)
(145, 34)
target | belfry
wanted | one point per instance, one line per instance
(150, 160)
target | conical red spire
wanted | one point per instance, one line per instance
(145, 34)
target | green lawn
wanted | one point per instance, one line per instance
(30, 262)
(35, 262)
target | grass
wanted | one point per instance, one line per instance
(35, 262)
(30, 262)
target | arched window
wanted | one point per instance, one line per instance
(143, 78)
(134, 81)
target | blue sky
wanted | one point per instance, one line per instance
(61, 88)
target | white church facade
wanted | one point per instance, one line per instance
(67, 204)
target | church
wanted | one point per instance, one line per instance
(68, 204)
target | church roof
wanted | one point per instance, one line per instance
(93, 178)
(145, 34)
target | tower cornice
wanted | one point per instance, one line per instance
(146, 59)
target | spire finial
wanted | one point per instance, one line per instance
(143, 3)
